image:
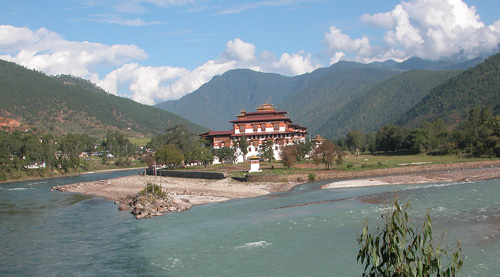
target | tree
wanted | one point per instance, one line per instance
(180, 136)
(149, 160)
(266, 150)
(316, 156)
(289, 155)
(303, 149)
(202, 155)
(243, 146)
(118, 145)
(327, 152)
(391, 138)
(355, 141)
(400, 250)
(224, 154)
(206, 156)
(169, 155)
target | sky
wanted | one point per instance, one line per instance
(156, 50)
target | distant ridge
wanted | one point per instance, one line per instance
(311, 99)
(452, 100)
(67, 104)
(384, 103)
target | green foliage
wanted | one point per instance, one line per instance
(266, 150)
(314, 105)
(453, 99)
(384, 103)
(118, 144)
(303, 149)
(225, 154)
(479, 135)
(169, 155)
(392, 138)
(243, 145)
(67, 104)
(311, 177)
(153, 189)
(181, 137)
(399, 249)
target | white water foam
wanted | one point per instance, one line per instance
(250, 245)
(20, 189)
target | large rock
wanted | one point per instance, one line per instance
(146, 206)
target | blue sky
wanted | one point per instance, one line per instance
(157, 50)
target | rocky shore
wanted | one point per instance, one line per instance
(149, 205)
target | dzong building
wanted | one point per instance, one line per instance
(265, 124)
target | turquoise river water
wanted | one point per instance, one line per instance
(49, 233)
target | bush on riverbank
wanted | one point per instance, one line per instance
(153, 189)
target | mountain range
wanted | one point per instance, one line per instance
(66, 104)
(329, 101)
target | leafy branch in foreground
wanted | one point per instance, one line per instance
(400, 250)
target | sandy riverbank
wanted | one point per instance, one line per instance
(202, 191)
(466, 175)
(197, 191)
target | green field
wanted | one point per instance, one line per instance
(139, 141)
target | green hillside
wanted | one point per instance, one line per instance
(67, 104)
(314, 105)
(384, 103)
(476, 87)
(217, 102)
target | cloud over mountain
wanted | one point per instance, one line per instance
(429, 29)
(51, 53)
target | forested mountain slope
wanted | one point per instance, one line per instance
(384, 103)
(311, 99)
(315, 104)
(476, 87)
(217, 102)
(72, 105)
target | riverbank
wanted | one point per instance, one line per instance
(193, 191)
(58, 174)
(203, 191)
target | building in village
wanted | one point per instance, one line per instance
(266, 124)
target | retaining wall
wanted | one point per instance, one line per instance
(188, 174)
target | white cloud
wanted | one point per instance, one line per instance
(430, 29)
(295, 64)
(240, 51)
(337, 57)
(114, 19)
(150, 85)
(340, 42)
(49, 52)
(380, 20)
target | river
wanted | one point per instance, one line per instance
(49, 233)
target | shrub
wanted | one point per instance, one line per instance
(312, 177)
(400, 250)
(156, 190)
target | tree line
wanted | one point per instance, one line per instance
(20, 149)
(479, 135)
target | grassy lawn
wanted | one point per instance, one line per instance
(401, 160)
(139, 141)
(350, 163)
